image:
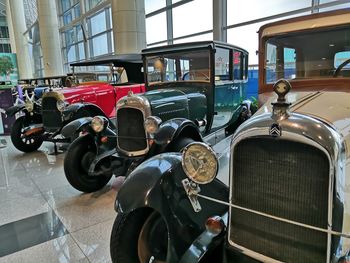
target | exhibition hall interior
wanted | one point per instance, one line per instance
(175, 131)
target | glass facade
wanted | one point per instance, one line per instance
(86, 30)
(100, 33)
(186, 21)
(70, 10)
(86, 25)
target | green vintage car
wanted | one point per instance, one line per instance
(195, 92)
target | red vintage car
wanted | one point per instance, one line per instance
(43, 119)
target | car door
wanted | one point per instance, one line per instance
(230, 89)
(106, 98)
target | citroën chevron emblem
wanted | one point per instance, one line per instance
(275, 130)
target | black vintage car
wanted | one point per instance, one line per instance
(56, 101)
(282, 192)
(195, 92)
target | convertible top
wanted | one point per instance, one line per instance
(132, 63)
(116, 60)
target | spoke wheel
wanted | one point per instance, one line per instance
(20, 140)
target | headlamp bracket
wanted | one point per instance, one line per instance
(192, 189)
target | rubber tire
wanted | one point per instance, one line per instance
(75, 174)
(125, 233)
(17, 141)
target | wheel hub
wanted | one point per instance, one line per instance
(87, 160)
(152, 242)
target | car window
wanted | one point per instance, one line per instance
(340, 58)
(307, 55)
(178, 67)
(222, 64)
(289, 63)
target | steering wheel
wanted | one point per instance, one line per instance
(340, 67)
(192, 75)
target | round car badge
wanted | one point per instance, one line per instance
(275, 130)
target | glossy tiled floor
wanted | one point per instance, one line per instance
(35, 192)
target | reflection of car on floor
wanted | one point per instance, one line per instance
(195, 92)
(287, 199)
(43, 119)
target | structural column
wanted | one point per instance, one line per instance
(10, 27)
(22, 45)
(129, 26)
(50, 38)
(219, 20)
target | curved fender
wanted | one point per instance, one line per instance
(172, 129)
(205, 242)
(158, 184)
(11, 111)
(71, 128)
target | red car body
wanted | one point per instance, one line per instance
(62, 105)
(101, 94)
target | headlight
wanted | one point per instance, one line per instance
(200, 163)
(97, 124)
(61, 105)
(29, 105)
(152, 124)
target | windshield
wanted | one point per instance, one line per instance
(307, 55)
(179, 67)
(113, 75)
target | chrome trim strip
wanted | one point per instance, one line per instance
(134, 102)
(331, 232)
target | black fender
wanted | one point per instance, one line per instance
(79, 110)
(72, 128)
(69, 130)
(158, 184)
(243, 113)
(176, 128)
(104, 150)
(11, 111)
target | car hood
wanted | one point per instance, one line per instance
(73, 94)
(332, 108)
(173, 103)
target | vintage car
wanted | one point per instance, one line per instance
(61, 105)
(282, 191)
(195, 92)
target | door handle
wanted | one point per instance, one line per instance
(233, 88)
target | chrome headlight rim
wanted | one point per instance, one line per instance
(210, 151)
(60, 105)
(151, 124)
(97, 124)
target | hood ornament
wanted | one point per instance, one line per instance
(281, 107)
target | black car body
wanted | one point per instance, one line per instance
(195, 92)
(282, 193)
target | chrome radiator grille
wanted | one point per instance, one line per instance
(284, 179)
(52, 118)
(131, 132)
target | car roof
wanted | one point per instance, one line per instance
(189, 46)
(116, 60)
(309, 21)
